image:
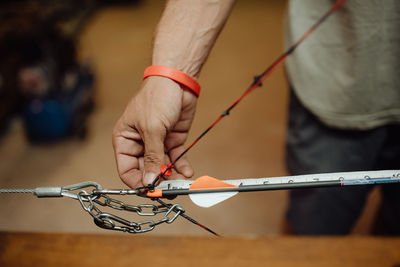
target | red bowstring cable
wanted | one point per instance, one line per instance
(256, 83)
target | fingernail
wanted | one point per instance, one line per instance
(148, 178)
(187, 172)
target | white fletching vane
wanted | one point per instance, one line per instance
(207, 200)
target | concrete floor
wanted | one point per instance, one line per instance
(249, 143)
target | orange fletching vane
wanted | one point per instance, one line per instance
(207, 182)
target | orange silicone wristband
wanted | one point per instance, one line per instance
(176, 75)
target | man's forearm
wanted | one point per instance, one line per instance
(187, 31)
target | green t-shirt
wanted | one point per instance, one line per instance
(347, 72)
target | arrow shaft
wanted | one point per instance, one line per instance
(253, 188)
(347, 177)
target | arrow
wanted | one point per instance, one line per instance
(208, 191)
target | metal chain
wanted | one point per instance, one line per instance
(113, 222)
(90, 202)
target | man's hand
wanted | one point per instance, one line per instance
(156, 121)
(152, 131)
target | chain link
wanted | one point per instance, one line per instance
(113, 222)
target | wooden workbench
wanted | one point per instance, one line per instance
(35, 249)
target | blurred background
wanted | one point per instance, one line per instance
(67, 70)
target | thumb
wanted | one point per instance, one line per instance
(153, 155)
